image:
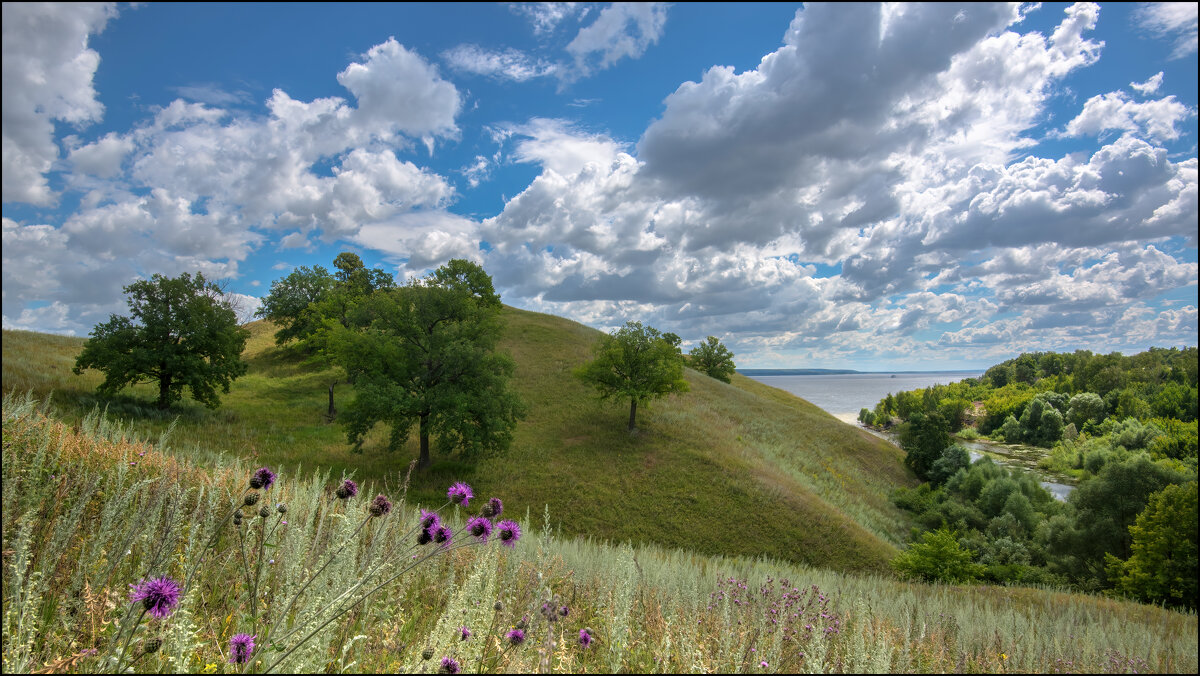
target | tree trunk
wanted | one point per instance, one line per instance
(332, 411)
(423, 460)
(632, 414)
(164, 392)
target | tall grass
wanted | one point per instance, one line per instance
(88, 510)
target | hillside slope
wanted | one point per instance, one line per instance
(740, 469)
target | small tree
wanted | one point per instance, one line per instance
(937, 558)
(1163, 566)
(713, 358)
(636, 362)
(289, 304)
(182, 333)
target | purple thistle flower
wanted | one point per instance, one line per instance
(509, 533)
(380, 506)
(240, 648)
(424, 538)
(262, 478)
(347, 490)
(516, 637)
(479, 527)
(449, 666)
(493, 508)
(430, 520)
(585, 639)
(464, 633)
(460, 493)
(442, 535)
(159, 596)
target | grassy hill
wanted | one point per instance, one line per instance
(740, 469)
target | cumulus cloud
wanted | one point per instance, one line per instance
(48, 71)
(1149, 86)
(1156, 120)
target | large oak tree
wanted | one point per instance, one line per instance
(182, 332)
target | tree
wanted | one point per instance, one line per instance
(182, 333)
(937, 558)
(635, 362)
(924, 438)
(713, 358)
(426, 357)
(1163, 566)
(289, 304)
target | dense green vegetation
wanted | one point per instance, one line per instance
(72, 551)
(699, 463)
(635, 363)
(1125, 427)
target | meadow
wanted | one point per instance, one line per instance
(819, 487)
(89, 509)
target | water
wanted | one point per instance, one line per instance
(844, 395)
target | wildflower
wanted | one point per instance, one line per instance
(460, 494)
(449, 666)
(151, 645)
(380, 506)
(464, 633)
(493, 508)
(585, 638)
(240, 647)
(763, 664)
(430, 520)
(516, 637)
(347, 490)
(442, 535)
(263, 478)
(509, 533)
(158, 596)
(250, 500)
(424, 538)
(479, 527)
(564, 611)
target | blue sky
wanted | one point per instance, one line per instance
(872, 187)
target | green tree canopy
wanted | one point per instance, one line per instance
(1163, 566)
(289, 304)
(924, 438)
(634, 362)
(182, 332)
(713, 358)
(425, 357)
(937, 558)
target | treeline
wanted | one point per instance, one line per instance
(1124, 426)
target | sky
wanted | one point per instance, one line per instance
(870, 186)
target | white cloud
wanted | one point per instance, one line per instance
(48, 70)
(1156, 120)
(510, 64)
(1172, 21)
(1149, 86)
(546, 16)
(623, 29)
(102, 158)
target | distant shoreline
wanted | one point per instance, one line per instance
(836, 372)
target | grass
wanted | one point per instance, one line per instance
(87, 510)
(740, 469)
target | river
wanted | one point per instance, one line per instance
(844, 395)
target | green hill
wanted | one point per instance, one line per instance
(740, 469)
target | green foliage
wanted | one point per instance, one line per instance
(1085, 408)
(953, 459)
(937, 558)
(181, 333)
(1163, 565)
(289, 303)
(1042, 422)
(713, 358)
(426, 357)
(634, 362)
(924, 439)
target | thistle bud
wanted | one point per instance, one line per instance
(427, 654)
(250, 499)
(264, 512)
(151, 645)
(281, 508)
(498, 607)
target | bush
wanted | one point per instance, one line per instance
(937, 558)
